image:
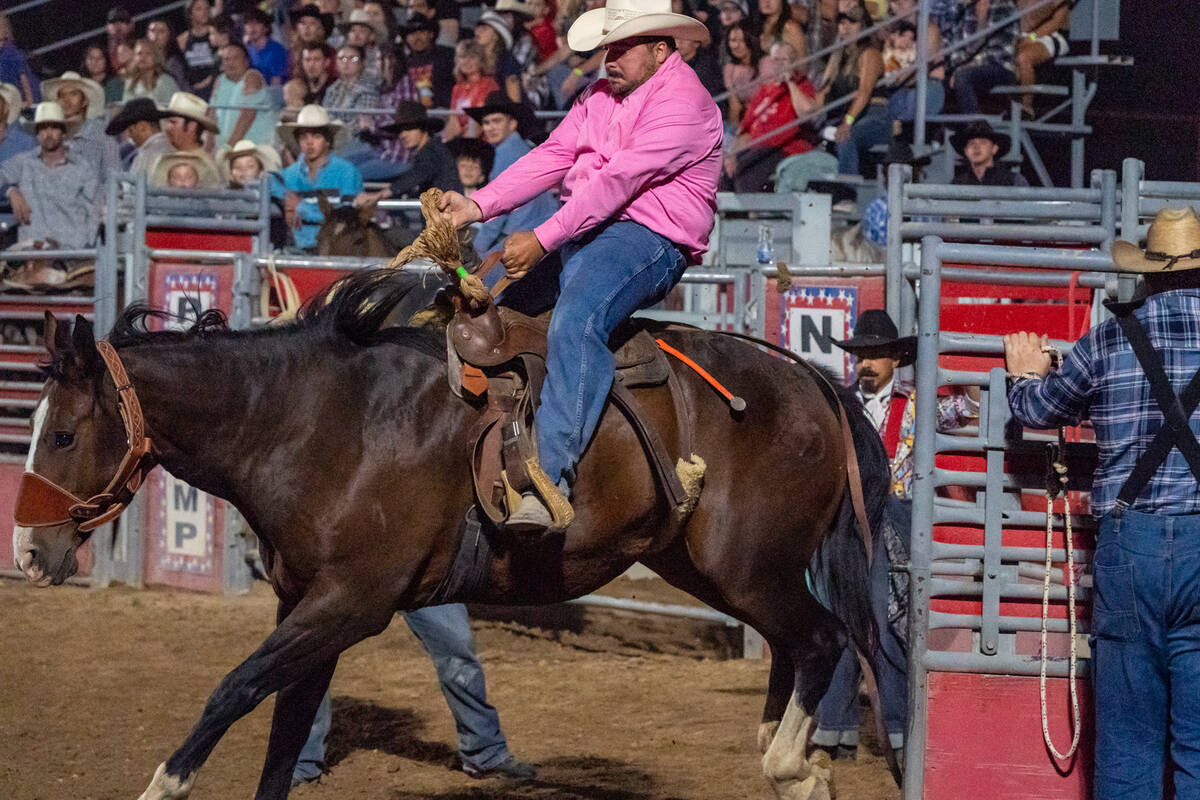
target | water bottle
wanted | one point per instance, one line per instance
(766, 247)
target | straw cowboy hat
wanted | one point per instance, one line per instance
(93, 91)
(190, 107)
(267, 157)
(206, 171)
(12, 101)
(876, 331)
(311, 118)
(360, 17)
(622, 19)
(514, 7)
(49, 112)
(499, 25)
(1172, 243)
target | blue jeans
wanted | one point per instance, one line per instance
(1146, 654)
(971, 81)
(837, 713)
(445, 633)
(605, 278)
(902, 103)
(872, 128)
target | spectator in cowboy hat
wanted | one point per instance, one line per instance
(140, 121)
(185, 171)
(429, 65)
(879, 350)
(13, 139)
(314, 135)
(312, 26)
(445, 14)
(53, 191)
(501, 122)
(431, 163)
(979, 144)
(83, 99)
(247, 162)
(365, 33)
(639, 200)
(185, 121)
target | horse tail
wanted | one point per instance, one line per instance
(840, 568)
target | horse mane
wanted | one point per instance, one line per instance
(352, 310)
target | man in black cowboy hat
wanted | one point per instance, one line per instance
(503, 124)
(139, 122)
(429, 65)
(431, 163)
(879, 351)
(978, 143)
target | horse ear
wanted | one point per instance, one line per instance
(83, 341)
(55, 337)
(367, 213)
(323, 204)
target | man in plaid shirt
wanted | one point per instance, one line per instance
(1126, 375)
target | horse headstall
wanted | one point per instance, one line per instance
(42, 503)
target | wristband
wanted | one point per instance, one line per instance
(577, 72)
(1024, 375)
(1032, 36)
(848, 119)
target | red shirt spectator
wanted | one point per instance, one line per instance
(770, 107)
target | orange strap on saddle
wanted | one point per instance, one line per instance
(42, 503)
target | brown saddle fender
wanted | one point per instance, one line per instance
(500, 354)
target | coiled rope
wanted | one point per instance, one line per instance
(1056, 484)
(439, 242)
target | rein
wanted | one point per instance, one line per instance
(42, 503)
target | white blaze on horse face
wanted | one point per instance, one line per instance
(22, 536)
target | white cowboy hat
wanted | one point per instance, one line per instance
(189, 106)
(12, 101)
(498, 24)
(1172, 244)
(206, 170)
(311, 117)
(622, 19)
(514, 7)
(51, 112)
(93, 91)
(360, 17)
(266, 156)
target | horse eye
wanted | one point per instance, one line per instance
(63, 439)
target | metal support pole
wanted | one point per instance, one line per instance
(922, 75)
(141, 267)
(1078, 107)
(898, 175)
(264, 215)
(922, 519)
(1132, 171)
(1108, 206)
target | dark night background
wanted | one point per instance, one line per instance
(1148, 111)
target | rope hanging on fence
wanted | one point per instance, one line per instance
(1056, 484)
(439, 243)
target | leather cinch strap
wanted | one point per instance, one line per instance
(42, 503)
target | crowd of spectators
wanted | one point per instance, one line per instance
(240, 75)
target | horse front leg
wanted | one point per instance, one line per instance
(295, 708)
(304, 645)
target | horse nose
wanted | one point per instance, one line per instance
(27, 559)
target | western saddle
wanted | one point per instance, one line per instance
(498, 356)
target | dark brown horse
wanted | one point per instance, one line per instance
(347, 453)
(351, 231)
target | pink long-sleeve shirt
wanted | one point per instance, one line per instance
(652, 157)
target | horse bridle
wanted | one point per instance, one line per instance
(42, 503)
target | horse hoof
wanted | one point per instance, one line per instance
(166, 787)
(766, 733)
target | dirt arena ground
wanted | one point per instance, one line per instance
(98, 686)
